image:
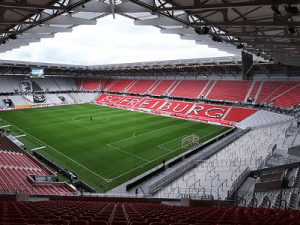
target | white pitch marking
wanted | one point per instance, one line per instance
(5, 126)
(127, 152)
(64, 155)
(143, 134)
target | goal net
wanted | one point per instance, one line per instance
(190, 141)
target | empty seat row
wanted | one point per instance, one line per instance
(134, 213)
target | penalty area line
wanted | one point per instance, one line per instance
(62, 154)
(139, 167)
(127, 152)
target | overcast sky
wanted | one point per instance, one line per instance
(111, 41)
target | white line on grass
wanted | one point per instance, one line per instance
(111, 144)
(139, 167)
(127, 152)
(192, 129)
(143, 134)
(156, 158)
(61, 154)
(171, 141)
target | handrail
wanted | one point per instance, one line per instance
(198, 191)
(173, 190)
(239, 168)
(194, 184)
(209, 172)
(189, 178)
(231, 155)
(222, 186)
(233, 162)
(238, 182)
(218, 175)
(253, 153)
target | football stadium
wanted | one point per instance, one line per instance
(175, 142)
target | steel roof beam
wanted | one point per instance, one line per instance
(9, 5)
(201, 7)
(248, 23)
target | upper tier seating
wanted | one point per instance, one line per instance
(254, 89)
(79, 83)
(288, 99)
(138, 213)
(90, 84)
(284, 87)
(120, 85)
(141, 86)
(209, 85)
(189, 88)
(106, 83)
(162, 87)
(267, 89)
(5, 85)
(65, 84)
(230, 90)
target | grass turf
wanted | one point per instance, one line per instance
(113, 147)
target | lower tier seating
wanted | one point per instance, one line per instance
(14, 171)
(197, 111)
(238, 114)
(138, 213)
(6, 144)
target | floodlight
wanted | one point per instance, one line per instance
(291, 9)
(291, 30)
(203, 30)
(217, 39)
(240, 46)
(12, 36)
(275, 9)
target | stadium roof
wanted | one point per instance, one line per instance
(197, 66)
(268, 28)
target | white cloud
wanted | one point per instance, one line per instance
(111, 41)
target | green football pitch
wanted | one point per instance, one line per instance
(104, 146)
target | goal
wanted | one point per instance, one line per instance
(190, 141)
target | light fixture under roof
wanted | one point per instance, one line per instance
(275, 9)
(12, 36)
(202, 30)
(291, 30)
(216, 39)
(293, 10)
(240, 46)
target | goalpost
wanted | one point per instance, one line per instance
(190, 141)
